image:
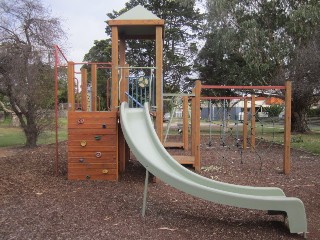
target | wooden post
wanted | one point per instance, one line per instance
(185, 129)
(253, 122)
(193, 123)
(124, 72)
(287, 129)
(197, 160)
(123, 88)
(93, 87)
(245, 124)
(71, 98)
(159, 82)
(114, 71)
(84, 90)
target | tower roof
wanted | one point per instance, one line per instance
(137, 23)
(137, 13)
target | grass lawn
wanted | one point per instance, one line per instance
(266, 131)
(13, 136)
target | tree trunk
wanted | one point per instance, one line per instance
(30, 129)
(31, 136)
(299, 122)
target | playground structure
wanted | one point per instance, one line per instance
(99, 146)
(162, 165)
(243, 134)
(249, 136)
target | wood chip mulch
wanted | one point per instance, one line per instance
(35, 204)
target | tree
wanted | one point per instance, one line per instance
(259, 42)
(183, 25)
(304, 71)
(27, 35)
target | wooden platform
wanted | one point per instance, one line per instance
(184, 159)
(92, 146)
(173, 145)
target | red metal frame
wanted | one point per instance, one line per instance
(102, 63)
(231, 98)
(57, 64)
(243, 87)
(222, 98)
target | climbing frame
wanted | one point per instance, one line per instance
(92, 146)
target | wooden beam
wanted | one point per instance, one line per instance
(124, 72)
(114, 71)
(184, 159)
(84, 89)
(193, 123)
(185, 129)
(253, 122)
(93, 87)
(152, 22)
(197, 161)
(123, 86)
(173, 144)
(287, 129)
(138, 37)
(245, 124)
(159, 82)
(71, 94)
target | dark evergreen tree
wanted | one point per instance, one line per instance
(259, 42)
(183, 24)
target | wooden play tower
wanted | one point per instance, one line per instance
(96, 147)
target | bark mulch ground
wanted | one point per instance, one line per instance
(35, 204)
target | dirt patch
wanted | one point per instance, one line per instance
(10, 151)
(35, 204)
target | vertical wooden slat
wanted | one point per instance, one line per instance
(126, 89)
(122, 60)
(114, 71)
(197, 164)
(122, 142)
(253, 122)
(185, 130)
(71, 97)
(287, 129)
(193, 123)
(125, 86)
(245, 123)
(94, 87)
(159, 82)
(84, 83)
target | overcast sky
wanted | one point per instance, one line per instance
(83, 21)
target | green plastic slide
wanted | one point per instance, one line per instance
(143, 141)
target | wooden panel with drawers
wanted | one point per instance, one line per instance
(92, 146)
